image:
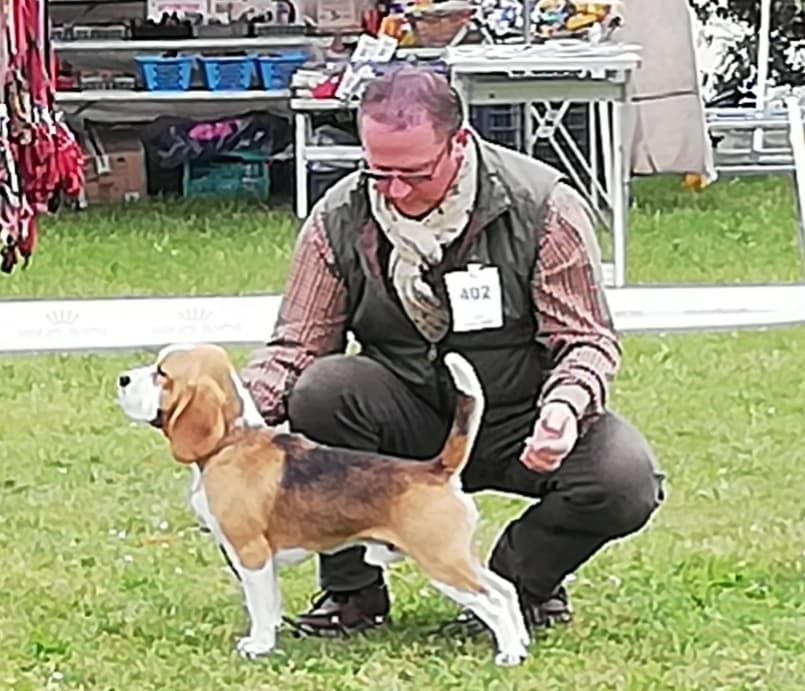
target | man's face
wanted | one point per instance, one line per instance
(413, 166)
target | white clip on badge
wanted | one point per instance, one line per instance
(475, 298)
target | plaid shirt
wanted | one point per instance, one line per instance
(572, 314)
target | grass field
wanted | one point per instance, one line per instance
(105, 582)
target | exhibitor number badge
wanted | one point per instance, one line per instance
(475, 298)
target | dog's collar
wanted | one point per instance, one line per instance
(231, 437)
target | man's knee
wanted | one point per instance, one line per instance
(624, 477)
(321, 393)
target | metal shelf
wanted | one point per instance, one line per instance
(333, 153)
(190, 44)
(118, 106)
(136, 46)
(68, 3)
(125, 96)
(321, 104)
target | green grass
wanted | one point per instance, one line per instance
(106, 583)
(159, 248)
(735, 231)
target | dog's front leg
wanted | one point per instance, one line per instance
(261, 589)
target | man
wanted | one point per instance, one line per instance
(446, 242)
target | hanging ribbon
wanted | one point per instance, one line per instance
(39, 156)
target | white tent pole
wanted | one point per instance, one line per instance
(763, 52)
(763, 49)
(797, 138)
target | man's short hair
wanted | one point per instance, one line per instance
(403, 97)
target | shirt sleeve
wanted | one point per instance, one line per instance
(574, 320)
(311, 323)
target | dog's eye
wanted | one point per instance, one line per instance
(161, 372)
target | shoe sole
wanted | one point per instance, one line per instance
(300, 630)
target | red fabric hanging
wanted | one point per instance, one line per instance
(42, 157)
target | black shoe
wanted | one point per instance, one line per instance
(543, 615)
(344, 613)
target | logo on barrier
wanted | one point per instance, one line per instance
(60, 327)
(125, 323)
(196, 314)
(61, 317)
(198, 323)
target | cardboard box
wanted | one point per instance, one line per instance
(330, 16)
(115, 168)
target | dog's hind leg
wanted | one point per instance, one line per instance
(456, 574)
(508, 592)
(438, 536)
(493, 610)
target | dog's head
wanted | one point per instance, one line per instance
(190, 393)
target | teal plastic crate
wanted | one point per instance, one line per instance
(230, 175)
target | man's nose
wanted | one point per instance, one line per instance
(124, 380)
(398, 188)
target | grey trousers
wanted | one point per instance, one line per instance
(606, 488)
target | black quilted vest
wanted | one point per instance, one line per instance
(503, 232)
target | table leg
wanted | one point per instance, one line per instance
(528, 128)
(606, 148)
(300, 163)
(620, 194)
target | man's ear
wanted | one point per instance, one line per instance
(197, 423)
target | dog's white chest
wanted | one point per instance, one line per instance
(201, 507)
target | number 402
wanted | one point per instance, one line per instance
(475, 293)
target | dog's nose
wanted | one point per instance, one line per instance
(124, 380)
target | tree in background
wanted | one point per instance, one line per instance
(733, 82)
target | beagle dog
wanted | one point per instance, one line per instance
(271, 498)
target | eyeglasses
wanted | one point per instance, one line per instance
(410, 177)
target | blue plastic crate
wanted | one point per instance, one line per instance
(276, 70)
(230, 175)
(227, 73)
(501, 124)
(319, 181)
(166, 74)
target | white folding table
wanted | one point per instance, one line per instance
(563, 72)
(303, 109)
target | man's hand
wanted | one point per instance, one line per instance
(555, 433)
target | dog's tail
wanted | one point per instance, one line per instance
(467, 416)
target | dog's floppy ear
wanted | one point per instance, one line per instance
(197, 423)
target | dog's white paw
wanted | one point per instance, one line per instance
(511, 658)
(252, 647)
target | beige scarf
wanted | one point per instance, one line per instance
(418, 244)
